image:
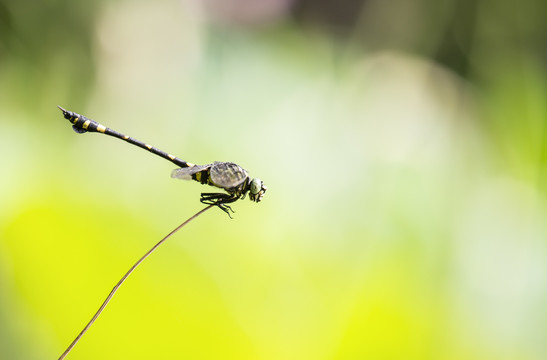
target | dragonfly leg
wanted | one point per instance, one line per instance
(220, 200)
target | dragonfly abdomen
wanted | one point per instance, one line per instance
(82, 124)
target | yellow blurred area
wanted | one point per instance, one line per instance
(403, 146)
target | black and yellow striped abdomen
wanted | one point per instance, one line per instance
(82, 124)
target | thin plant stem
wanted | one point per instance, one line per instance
(109, 297)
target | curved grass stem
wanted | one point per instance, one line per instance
(122, 280)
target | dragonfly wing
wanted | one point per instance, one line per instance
(186, 173)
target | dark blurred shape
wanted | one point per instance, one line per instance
(456, 43)
(5, 29)
(33, 37)
(453, 32)
(338, 17)
(247, 12)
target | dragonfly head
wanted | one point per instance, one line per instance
(256, 190)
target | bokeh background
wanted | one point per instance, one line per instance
(404, 145)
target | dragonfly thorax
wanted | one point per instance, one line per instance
(225, 175)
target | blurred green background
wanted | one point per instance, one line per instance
(403, 143)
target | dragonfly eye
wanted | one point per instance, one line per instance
(257, 190)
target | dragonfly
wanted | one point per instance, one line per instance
(230, 177)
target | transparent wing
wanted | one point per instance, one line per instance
(186, 173)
